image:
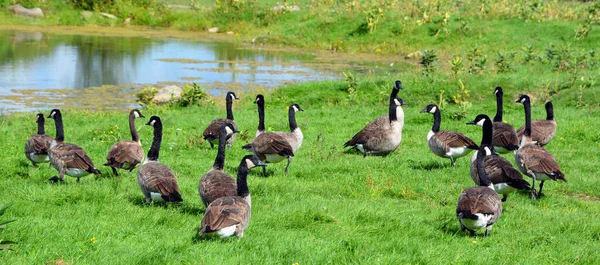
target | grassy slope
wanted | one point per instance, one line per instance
(334, 207)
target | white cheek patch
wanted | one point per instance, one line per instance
(295, 108)
(228, 130)
(433, 110)
(232, 96)
(152, 122)
(136, 114)
(249, 163)
(397, 102)
(480, 123)
(488, 151)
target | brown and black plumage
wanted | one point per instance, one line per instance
(68, 158)
(37, 146)
(230, 215)
(446, 144)
(260, 103)
(384, 120)
(505, 138)
(381, 138)
(542, 131)
(479, 206)
(216, 183)
(156, 180)
(211, 133)
(127, 154)
(532, 159)
(505, 177)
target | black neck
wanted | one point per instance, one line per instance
(292, 119)
(483, 176)
(549, 111)
(229, 103)
(155, 148)
(499, 107)
(242, 183)
(527, 107)
(40, 124)
(60, 133)
(437, 120)
(220, 159)
(392, 112)
(134, 134)
(488, 132)
(261, 115)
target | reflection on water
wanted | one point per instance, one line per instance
(42, 70)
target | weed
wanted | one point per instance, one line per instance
(191, 95)
(503, 62)
(428, 62)
(146, 95)
(477, 61)
(456, 65)
(351, 82)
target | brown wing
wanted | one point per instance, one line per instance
(480, 200)
(216, 184)
(455, 139)
(538, 160)
(72, 156)
(212, 131)
(501, 170)
(124, 151)
(363, 135)
(159, 178)
(272, 143)
(38, 143)
(504, 135)
(542, 131)
(225, 212)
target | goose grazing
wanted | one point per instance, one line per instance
(446, 143)
(211, 133)
(228, 216)
(505, 177)
(37, 146)
(479, 206)
(505, 138)
(532, 159)
(157, 181)
(260, 102)
(216, 183)
(381, 138)
(276, 146)
(68, 158)
(542, 131)
(127, 154)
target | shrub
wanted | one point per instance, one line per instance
(192, 95)
(146, 95)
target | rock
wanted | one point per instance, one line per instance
(87, 14)
(213, 30)
(26, 12)
(167, 93)
(230, 33)
(414, 55)
(286, 8)
(108, 15)
(128, 21)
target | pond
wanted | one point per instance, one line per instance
(40, 70)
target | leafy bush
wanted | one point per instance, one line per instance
(146, 95)
(192, 95)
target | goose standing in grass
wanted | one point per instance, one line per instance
(542, 131)
(228, 216)
(381, 138)
(157, 181)
(68, 158)
(505, 138)
(505, 177)
(446, 144)
(37, 146)
(384, 120)
(479, 206)
(532, 159)
(216, 183)
(260, 102)
(211, 133)
(127, 154)
(276, 146)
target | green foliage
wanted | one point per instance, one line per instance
(192, 95)
(4, 244)
(593, 18)
(428, 62)
(146, 95)
(456, 65)
(374, 14)
(477, 61)
(503, 62)
(351, 81)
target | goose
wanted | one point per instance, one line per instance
(505, 138)
(216, 183)
(532, 159)
(505, 177)
(260, 102)
(542, 131)
(381, 138)
(276, 146)
(479, 206)
(446, 143)
(228, 216)
(156, 180)
(37, 146)
(384, 120)
(68, 158)
(211, 133)
(127, 154)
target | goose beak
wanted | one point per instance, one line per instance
(236, 131)
(148, 123)
(471, 122)
(142, 116)
(424, 110)
(261, 164)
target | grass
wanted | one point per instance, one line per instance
(333, 207)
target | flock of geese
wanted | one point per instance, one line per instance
(228, 202)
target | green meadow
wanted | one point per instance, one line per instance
(334, 206)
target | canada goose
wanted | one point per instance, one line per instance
(505, 138)
(505, 177)
(381, 138)
(68, 158)
(216, 183)
(37, 146)
(384, 120)
(127, 154)
(211, 133)
(230, 215)
(479, 206)
(260, 102)
(446, 143)
(542, 131)
(532, 159)
(276, 146)
(157, 181)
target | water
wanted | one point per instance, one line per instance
(43, 70)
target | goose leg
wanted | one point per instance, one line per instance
(115, 171)
(534, 195)
(453, 162)
(541, 186)
(504, 196)
(264, 171)
(288, 164)
(487, 230)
